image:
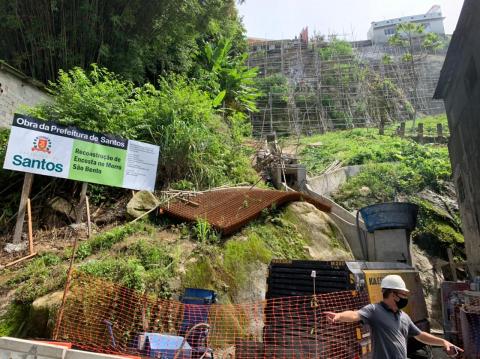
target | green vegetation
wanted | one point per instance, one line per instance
(429, 125)
(345, 73)
(144, 264)
(414, 166)
(204, 233)
(197, 145)
(7, 179)
(137, 39)
(228, 267)
(13, 320)
(393, 168)
(405, 35)
(336, 49)
(42, 275)
(105, 241)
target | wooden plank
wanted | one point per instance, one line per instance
(81, 203)
(30, 230)
(20, 260)
(27, 187)
(89, 223)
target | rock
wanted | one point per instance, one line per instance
(443, 205)
(431, 279)
(364, 191)
(42, 315)
(16, 247)
(78, 227)
(61, 205)
(141, 202)
(324, 238)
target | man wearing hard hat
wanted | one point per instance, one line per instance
(390, 326)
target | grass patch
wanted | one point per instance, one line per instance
(144, 265)
(12, 322)
(227, 268)
(42, 275)
(429, 125)
(385, 181)
(364, 146)
(437, 230)
(106, 240)
(392, 168)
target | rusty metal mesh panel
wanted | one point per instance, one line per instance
(104, 317)
(227, 210)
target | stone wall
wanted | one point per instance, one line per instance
(16, 90)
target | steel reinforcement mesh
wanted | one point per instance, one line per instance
(103, 317)
(227, 210)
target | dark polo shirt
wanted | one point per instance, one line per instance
(390, 330)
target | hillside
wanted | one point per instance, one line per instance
(394, 169)
(164, 257)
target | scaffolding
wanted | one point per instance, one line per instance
(307, 89)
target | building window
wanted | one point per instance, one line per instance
(389, 31)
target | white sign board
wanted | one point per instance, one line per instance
(50, 149)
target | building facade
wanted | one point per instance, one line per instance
(459, 87)
(381, 31)
(17, 90)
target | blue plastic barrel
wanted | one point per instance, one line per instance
(395, 215)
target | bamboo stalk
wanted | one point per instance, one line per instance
(66, 288)
(20, 260)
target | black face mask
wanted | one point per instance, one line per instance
(402, 303)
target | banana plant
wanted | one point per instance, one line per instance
(236, 90)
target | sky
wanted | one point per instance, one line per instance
(284, 19)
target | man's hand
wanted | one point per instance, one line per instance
(348, 316)
(430, 339)
(331, 317)
(452, 350)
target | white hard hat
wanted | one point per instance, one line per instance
(394, 281)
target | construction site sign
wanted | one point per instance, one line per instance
(50, 149)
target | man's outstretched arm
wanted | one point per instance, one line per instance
(348, 316)
(430, 339)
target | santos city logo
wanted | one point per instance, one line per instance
(40, 144)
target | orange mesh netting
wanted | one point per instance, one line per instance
(227, 210)
(103, 317)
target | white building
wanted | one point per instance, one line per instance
(380, 31)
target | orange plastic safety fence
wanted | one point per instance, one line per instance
(103, 317)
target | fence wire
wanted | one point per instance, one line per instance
(104, 317)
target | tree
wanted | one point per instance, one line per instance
(236, 82)
(405, 37)
(197, 148)
(138, 39)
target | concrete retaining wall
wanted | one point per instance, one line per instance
(346, 221)
(329, 182)
(16, 90)
(13, 348)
